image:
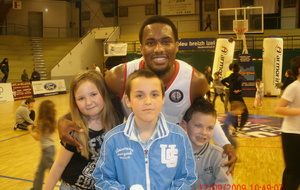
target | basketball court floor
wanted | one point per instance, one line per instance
(260, 160)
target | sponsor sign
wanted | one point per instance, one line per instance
(248, 71)
(6, 94)
(197, 43)
(177, 7)
(48, 87)
(272, 64)
(21, 90)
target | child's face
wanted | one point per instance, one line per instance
(31, 104)
(200, 129)
(146, 99)
(216, 76)
(89, 100)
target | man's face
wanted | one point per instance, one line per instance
(159, 47)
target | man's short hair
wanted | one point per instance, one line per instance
(29, 100)
(158, 19)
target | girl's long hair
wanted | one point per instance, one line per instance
(108, 115)
(46, 118)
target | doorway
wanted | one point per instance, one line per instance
(35, 23)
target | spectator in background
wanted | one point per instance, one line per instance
(209, 79)
(218, 89)
(24, 115)
(97, 68)
(24, 76)
(234, 82)
(259, 95)
(4, 69)
(35, 76)
(289, 79)
(228, 73)
(208, 22)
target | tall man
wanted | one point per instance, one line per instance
(159, 44)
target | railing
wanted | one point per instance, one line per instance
(57, 32)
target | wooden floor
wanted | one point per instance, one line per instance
(260, 159)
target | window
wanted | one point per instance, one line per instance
(123, 11)
(149, 9)
(289, 3)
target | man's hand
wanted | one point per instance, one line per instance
(65, 127)
(229, 151)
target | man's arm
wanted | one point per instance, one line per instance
(114, 80)
(199, 85)
(65, 127)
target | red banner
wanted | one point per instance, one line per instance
(21, 90)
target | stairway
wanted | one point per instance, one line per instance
(38, 57)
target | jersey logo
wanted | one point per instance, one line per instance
(169, 155)
(176, 95)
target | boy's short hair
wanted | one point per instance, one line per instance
(236, 67)
(202, 106)
(237, 105)
(142, 73)
(29, 100)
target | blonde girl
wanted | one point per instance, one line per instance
(44, 133)
(91, 110)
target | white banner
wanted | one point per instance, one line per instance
(223, 56)
(272, 64)
(48, 87)
(6, 94)
(115, 49)
(177, 7)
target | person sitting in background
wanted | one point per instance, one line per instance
(24, 76)
(35, 76)
(24, 115)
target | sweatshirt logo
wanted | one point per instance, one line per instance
(169, 155)
(124, 153)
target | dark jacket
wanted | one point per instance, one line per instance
(287, 82)
(235, 81)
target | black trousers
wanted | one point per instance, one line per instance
(245, 114)
(291, 153)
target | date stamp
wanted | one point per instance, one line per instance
(241, 187)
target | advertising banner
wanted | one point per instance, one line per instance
(248, 71)
(223, 56)
(272, 64)
(177, 7)
(21, 90)
(115, 49)
(6, 94)
(196, 43)
(48, 87)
